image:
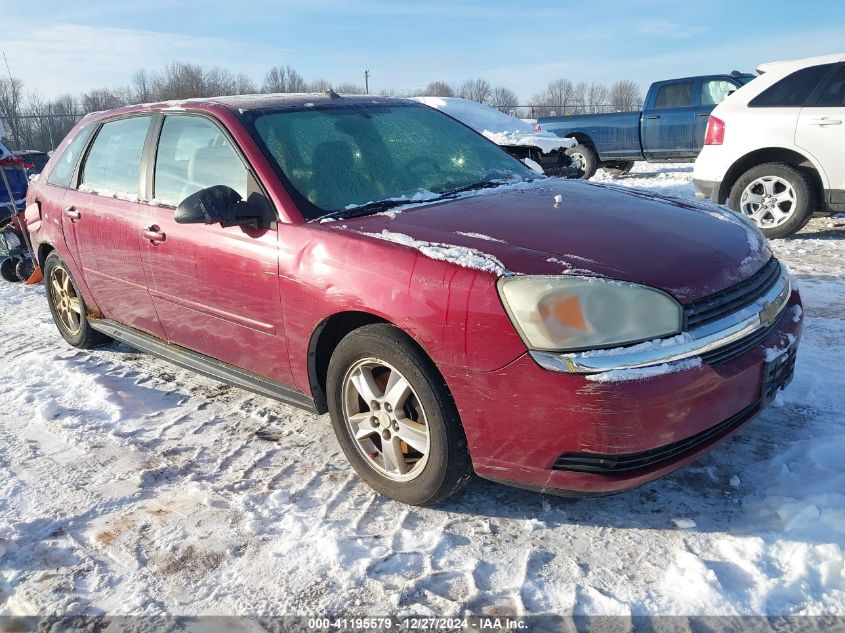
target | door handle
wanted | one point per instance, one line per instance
(825, 120)
(154, 234)
(72, 214)
(653, 116)
(702, 114)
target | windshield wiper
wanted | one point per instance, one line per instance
(483, 184)
(365, 209)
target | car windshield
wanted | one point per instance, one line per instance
(347, 160)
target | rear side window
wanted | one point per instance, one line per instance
(714, 91)
(833, 96)
(792, 90)
(114, 160)
(674, 95)
(194, 154)
(63, 171)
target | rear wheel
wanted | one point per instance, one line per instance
(585, 158)
(394, 418)
(778, 197)
(67, 305)
(618, 168)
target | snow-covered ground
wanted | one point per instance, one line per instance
(131, 486)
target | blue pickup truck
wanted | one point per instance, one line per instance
(670, 128)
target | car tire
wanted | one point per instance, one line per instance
(787, 198)
(7, 269)
(584, 157)
(618, 168)
(67, 305)
(428, 459)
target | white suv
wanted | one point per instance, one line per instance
(775, 150)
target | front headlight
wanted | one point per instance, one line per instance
(576, 313)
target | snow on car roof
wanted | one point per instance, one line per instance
(501, 128)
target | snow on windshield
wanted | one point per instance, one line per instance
(499, 127)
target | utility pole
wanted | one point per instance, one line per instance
(366, 81)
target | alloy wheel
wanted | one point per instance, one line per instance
(385, 419)
(769, 201)
(65, 301)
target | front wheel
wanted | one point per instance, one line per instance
(67, 305)
(585, 158)
(778, 197)
(394, 418)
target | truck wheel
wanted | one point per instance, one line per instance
(778, 197)
(618, 168)
(394, 418)
(7, 269)
(67, 305)
(585, 158)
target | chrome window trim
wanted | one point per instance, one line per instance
(698, 341)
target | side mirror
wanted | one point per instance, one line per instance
(218, 204)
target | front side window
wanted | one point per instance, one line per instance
(113, 164)
(714, 91)
(675, 95)
(63, 171)
(834, 93)
(792, 90)
(341, 157)
(193, 154)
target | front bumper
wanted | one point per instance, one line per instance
(707, 189)
(522, 419)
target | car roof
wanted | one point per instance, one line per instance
(252, 102)
(795, 64)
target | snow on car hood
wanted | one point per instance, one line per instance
(564, 227)
(500, 128)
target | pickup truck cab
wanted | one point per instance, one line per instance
(670, 127)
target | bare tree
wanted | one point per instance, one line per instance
(101, 99)
(438, 89)
(559, 97)
(279, 79)
(476, 89)
(349, 89)
(318, 85)
(504, 99)
(11, 94)
(141, 88)
(625, 95)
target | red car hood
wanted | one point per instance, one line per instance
(684, 248)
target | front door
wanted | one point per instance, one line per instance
(215, 289)
(667, 127)
(104, 220)
(821, 132)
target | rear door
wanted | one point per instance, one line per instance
(668, 122)
(821, 133)
(104, 220)
(216, 289)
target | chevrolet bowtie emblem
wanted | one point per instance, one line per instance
(768, 314)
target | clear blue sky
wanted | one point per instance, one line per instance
(57, 47)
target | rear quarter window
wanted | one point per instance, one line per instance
(793, 90)
(62, 172)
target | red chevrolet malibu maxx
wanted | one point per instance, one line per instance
(453, 311)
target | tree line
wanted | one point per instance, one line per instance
(33, 122)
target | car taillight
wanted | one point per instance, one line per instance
(715, 131)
